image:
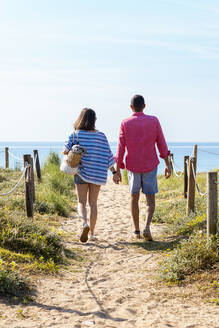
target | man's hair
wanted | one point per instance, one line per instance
(137, 103)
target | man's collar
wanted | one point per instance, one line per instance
(138, 114)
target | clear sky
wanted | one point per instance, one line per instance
(58, 56)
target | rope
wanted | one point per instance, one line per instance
(19, 159)
(196, 184)
(209, 152)
(17, 184)
(178, 175)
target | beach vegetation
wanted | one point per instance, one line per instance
(34, 245)
(193, 256)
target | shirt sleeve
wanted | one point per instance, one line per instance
(111, 159)
(68, 144)
(161, 142)
(121, 148)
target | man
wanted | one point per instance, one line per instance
(138, 136)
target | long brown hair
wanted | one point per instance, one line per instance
(86, 120)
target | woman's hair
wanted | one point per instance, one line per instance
(86, 120)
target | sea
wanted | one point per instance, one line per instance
(207, 159)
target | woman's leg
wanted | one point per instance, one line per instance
(82, 190)
(92, 199)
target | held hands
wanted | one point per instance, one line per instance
(117, 177)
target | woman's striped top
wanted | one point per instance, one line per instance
(98, 157)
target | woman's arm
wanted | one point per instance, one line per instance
(68, 145)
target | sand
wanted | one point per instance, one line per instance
(116, 287)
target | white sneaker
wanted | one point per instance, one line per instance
(93, 238)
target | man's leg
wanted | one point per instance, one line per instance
(150, 207)
(135, 210)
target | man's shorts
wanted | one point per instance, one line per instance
(78, 179)
(145, 181)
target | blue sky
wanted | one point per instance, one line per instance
(57, 57)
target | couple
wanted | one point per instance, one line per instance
(138, 136)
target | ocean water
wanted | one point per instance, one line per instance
(208, 153)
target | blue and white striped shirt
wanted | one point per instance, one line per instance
(98, 157)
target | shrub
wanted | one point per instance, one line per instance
(53, 158)
(49, 201)
(27, 236)
(2, 178)
(190, 256)
(43, 207)
(12, 283)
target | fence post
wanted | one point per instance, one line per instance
(170, 160)
(37, 164)
(6, 158)
(212, 203)
(195, 154)
(191, 188)
(28, 186)
(186, 159)
(32, 173)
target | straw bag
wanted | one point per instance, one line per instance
(71, 161)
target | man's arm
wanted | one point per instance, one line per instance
(120, 151)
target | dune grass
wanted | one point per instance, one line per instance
(34, 246)
(193, 254)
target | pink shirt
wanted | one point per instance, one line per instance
(138, 136)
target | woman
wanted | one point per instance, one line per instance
(92, 171)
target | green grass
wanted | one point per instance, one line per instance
(190, 256)
(13, 284)
(193, 254)
(55, 194)
(28, 236)
(34, 246)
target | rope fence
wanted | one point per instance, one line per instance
(17, 184)
(196, 184)
(209, 152)
(178, 175)
(15, 157)
(190, 183)
(28, 173)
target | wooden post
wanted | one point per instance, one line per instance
(170, 160)
(33, 184)
(28, 186)
(186, 160)
(191, 188)
(195, 154)
(37, 164)
(6, 158)
(212, 203)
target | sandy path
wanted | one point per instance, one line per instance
(116, 288)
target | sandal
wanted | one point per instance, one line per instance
(84, 234)
(136, 234)
(147, 234)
